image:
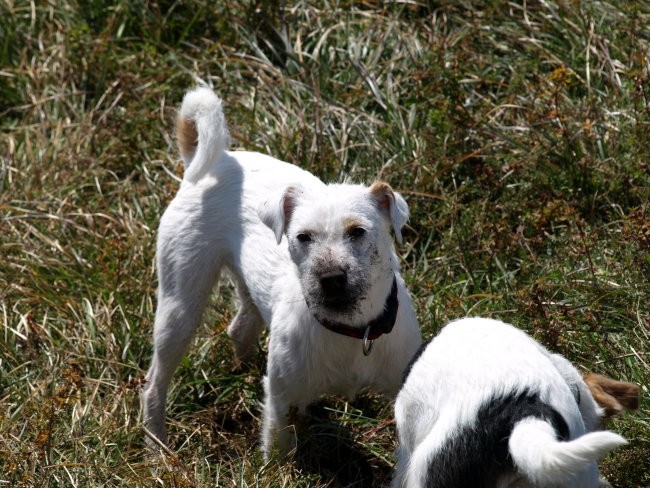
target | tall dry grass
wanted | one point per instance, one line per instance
(517, 132)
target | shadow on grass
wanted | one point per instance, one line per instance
(336, 453)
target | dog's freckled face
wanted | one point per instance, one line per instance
(340, 241)
(332, 259)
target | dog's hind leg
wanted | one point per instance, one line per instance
(247, 325)
(185, 282)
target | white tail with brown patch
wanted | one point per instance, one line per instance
(201, 132)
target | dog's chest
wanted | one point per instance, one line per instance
(341, 368)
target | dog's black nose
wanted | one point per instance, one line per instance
(333, 283)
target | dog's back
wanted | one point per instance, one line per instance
(484, 406)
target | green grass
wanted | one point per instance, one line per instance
(518, 135)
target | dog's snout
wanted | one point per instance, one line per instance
(333, 283)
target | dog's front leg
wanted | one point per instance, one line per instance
(278, 422)
(287, 389)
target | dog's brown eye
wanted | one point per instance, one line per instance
(356, 232)
(302, 237)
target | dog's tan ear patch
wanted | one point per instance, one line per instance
(392, 204)
(612, 395)
(187, 136)
(382, 193)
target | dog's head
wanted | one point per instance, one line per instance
(339, 238)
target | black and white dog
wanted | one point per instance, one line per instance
(484, 405)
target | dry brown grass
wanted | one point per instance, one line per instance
(518, 133)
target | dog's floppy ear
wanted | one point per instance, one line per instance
(613, 396)
(276, 211)
(392, 204)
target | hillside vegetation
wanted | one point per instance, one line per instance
(518, 132)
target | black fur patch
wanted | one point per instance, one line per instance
(415, 357)
(478, 455)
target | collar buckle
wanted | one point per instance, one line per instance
(367, 343)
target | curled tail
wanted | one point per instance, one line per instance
(201, 132)
(538, 455)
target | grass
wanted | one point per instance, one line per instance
(517, 133)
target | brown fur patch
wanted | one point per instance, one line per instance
(380, 189)
(382, 193)
(350, 223)
(614, 396)
(186, 136)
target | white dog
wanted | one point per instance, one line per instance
(484, 405)
(313, 262)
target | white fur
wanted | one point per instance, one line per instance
(243, 211)
(545, 461)
(204, 107)
(470, 362)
